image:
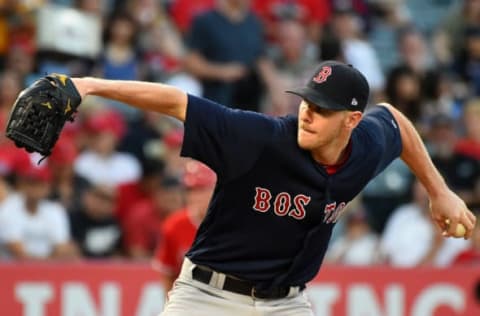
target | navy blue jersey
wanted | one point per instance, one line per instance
(274, 207)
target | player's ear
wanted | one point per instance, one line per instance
(352, 119)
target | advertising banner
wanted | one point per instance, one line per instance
(123, 289)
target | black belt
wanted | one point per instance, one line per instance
(240, 286)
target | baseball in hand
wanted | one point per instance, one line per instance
(460, 229)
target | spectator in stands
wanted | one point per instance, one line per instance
(413, 49)
(120, 58)
(133, 193)
(419, 242)
(175, 164)
(312, 14)
(461, 171)
(471, 255)
(18, 23)
(5, 189)
(184, 11)
(95, 229)
(386, 192)
(226, 52)
(164, 52)
(467, 62)
(439, 97)
(330, 48)
(293, 61)
(179, 229)
(469, 145)
(403, 91)
(101, 162)
(360, 7)
(387, 18)
(90, 6)
(32, 227)
(12, 159)
(411, 239)
(145, 12)
(359, 246)
(6, 192)
(346, 26)
(392, 186)
(450, 38)
(428, 15)
(66, 187)
(143, 221)
(21, 61)
(10, 87)
(139, 134)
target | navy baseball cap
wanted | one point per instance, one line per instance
(336, 86)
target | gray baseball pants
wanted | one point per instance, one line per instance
(190, 297)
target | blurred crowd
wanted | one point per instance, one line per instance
(115, 185)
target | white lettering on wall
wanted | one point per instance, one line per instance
(439, 295)
(77, 300)
(362, 300)
(33, 296)
(151, 300)
(323, 297)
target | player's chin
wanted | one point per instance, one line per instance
(306, 142)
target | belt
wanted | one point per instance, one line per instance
(241, 286)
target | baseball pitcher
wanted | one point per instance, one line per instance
(282, 182)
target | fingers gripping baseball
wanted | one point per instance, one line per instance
(452, 216)
(459, 229)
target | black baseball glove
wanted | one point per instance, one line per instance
(40, 112)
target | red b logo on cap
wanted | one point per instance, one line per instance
(323, 74)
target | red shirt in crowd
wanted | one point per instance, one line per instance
(12, 158)
(178, 232)
(306, 11)
(469, 148)
(468, 257)
(183, 11)
(142, 227)
(128, 195)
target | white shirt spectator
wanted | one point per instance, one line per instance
(362, 56)
(408, 236)
(39, 232)
(116, 169)
(358, 252)
(450, 249)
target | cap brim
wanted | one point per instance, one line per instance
(317, 98)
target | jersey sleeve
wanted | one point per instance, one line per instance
(383, 130)
(227, 140)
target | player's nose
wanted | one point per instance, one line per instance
(306, 115)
